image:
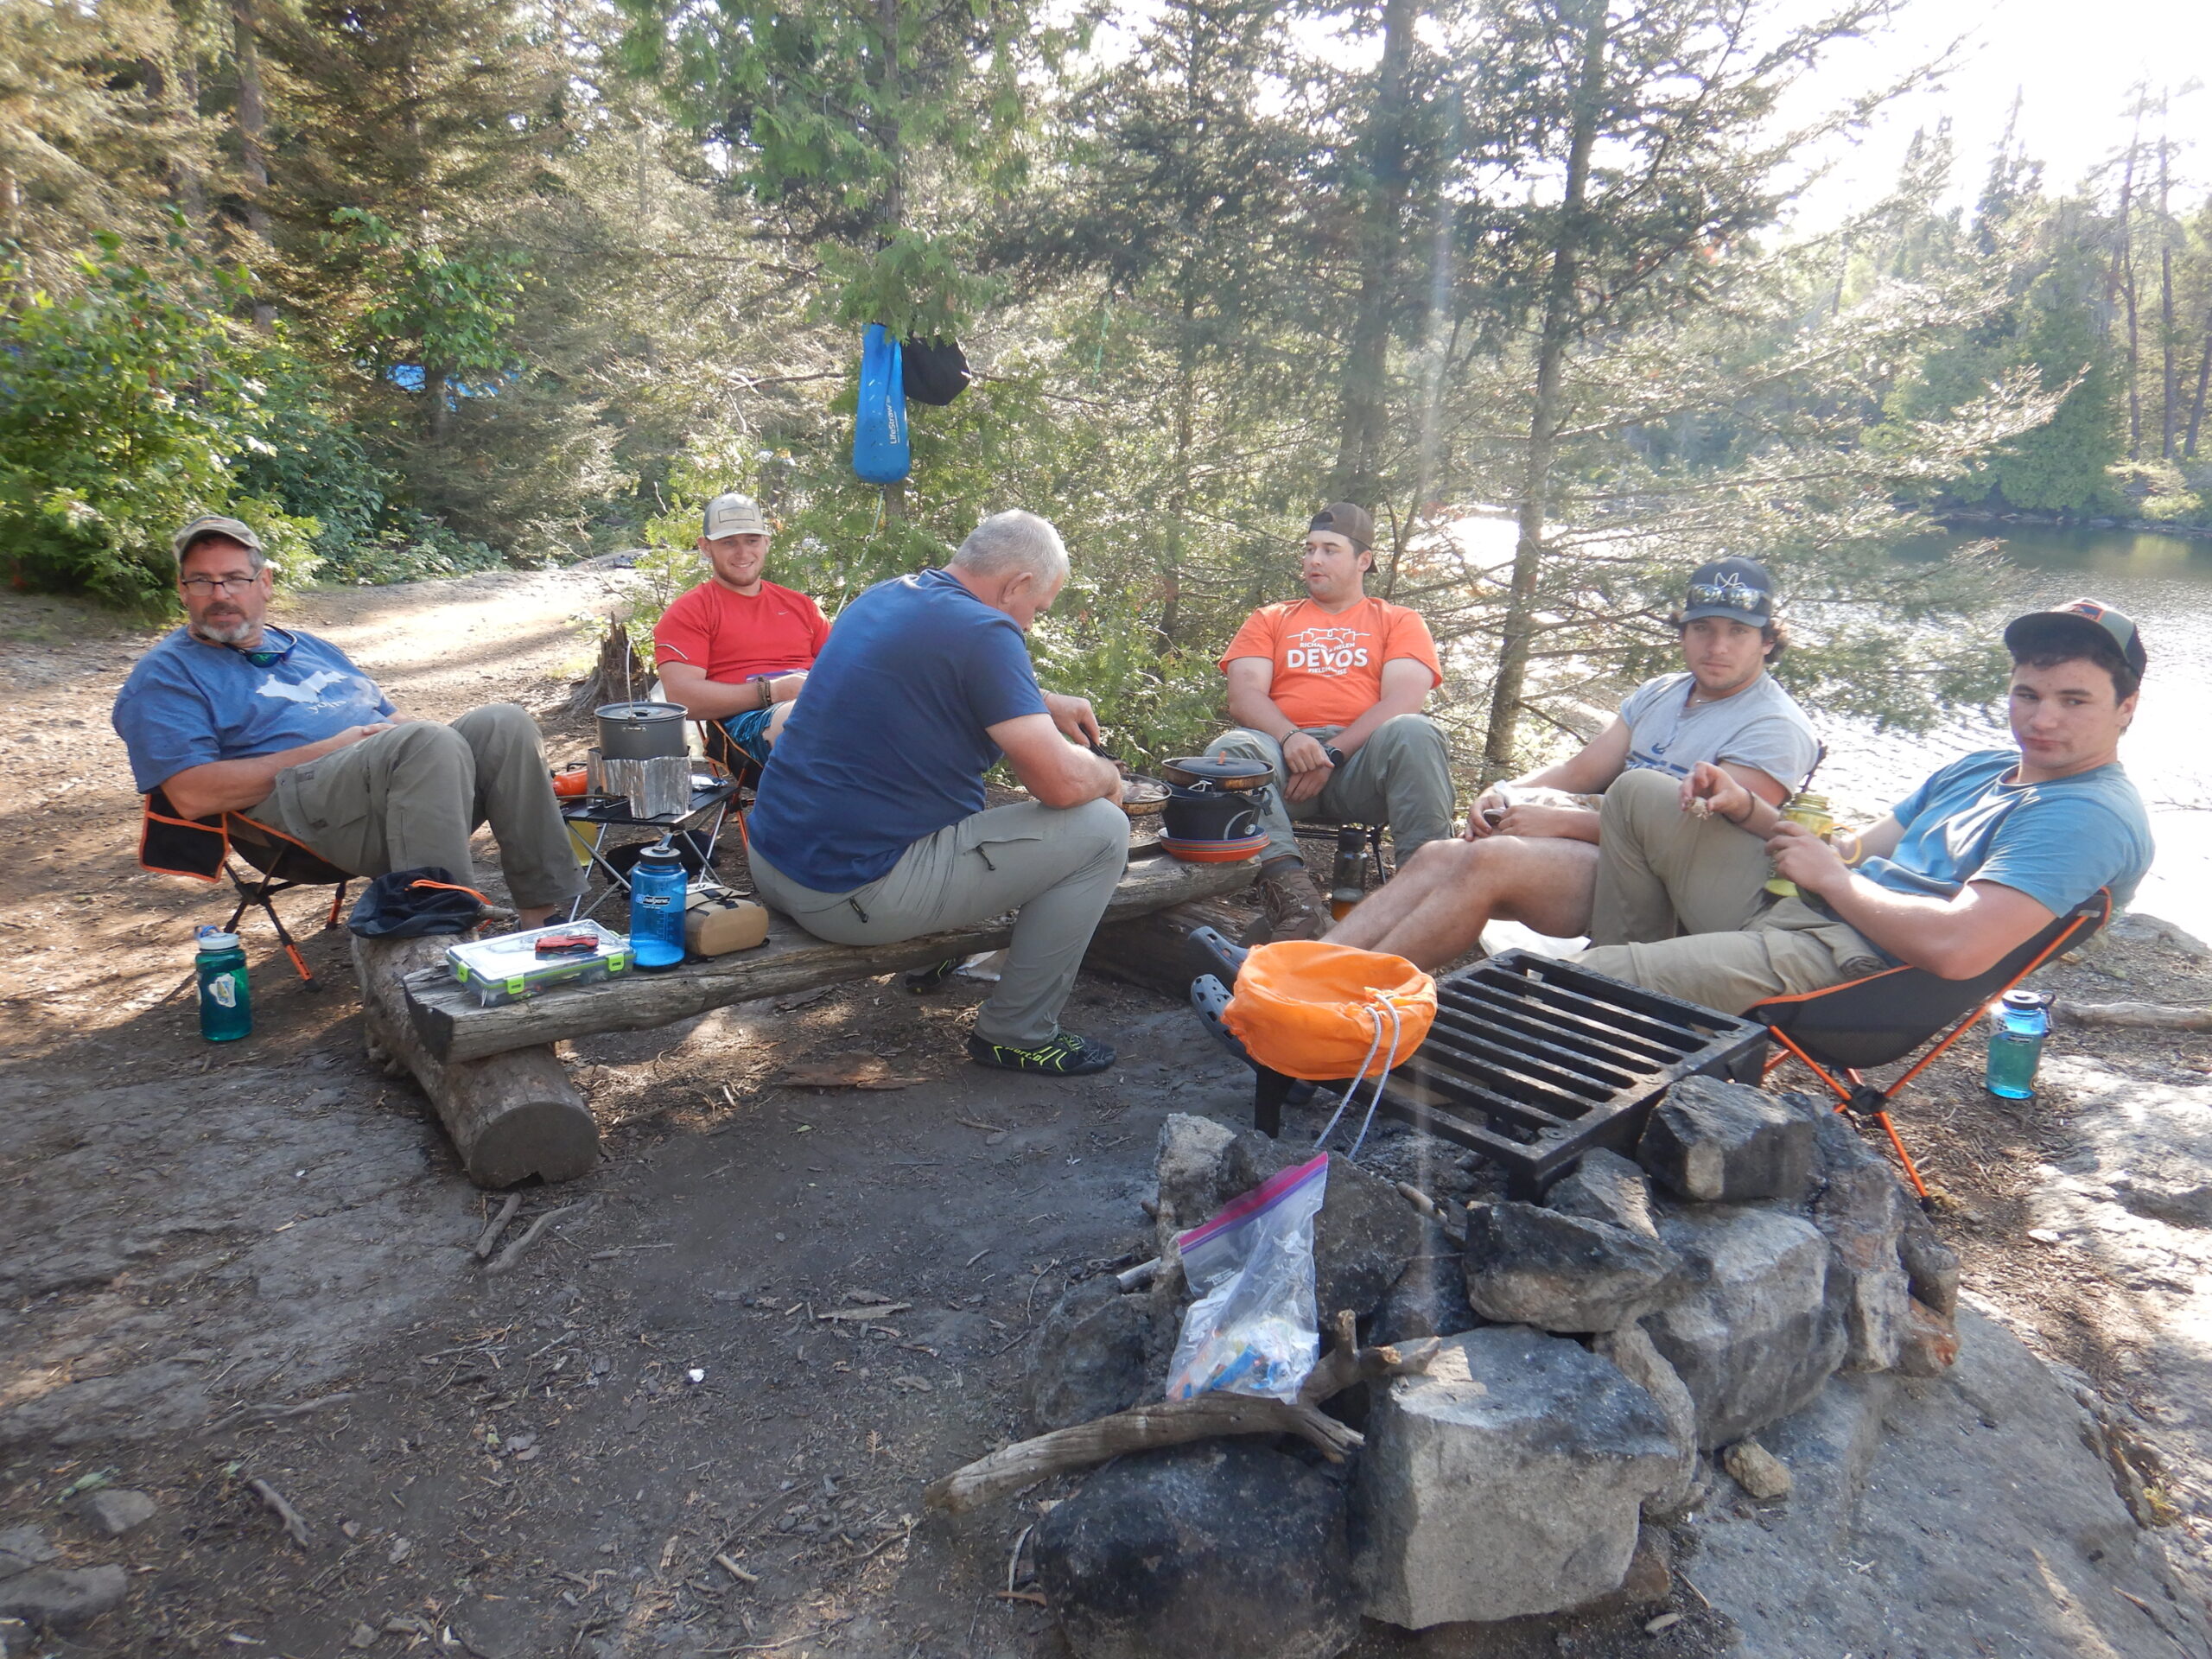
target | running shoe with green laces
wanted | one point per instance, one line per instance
(1063, 1054)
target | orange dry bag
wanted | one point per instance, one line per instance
(1328, 1012)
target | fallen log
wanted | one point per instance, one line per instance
(2141, 1016)
(1147, 950)
(509, 1117)
(1178, 1422)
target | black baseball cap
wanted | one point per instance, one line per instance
(1739, 589)
(2083, 621)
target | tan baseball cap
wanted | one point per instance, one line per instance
(211, 524)
(734, 515)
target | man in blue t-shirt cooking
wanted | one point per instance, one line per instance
(231, 714)
(870, 826)
(1983, 856)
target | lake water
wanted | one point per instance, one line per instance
(2165, 582)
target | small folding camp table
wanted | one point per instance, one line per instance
(699, 826)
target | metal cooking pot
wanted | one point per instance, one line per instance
(1211, 814)
(1218, 772)
(640, 731)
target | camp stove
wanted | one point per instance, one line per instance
(1532, 1062)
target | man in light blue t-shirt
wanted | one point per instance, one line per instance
(231, 714)
(1637, 867)
(1983, 856)
(871, 826)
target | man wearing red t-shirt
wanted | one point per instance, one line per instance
(737, 648)
(1327, 689)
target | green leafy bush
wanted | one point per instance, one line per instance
(124, 409)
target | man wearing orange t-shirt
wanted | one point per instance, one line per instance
(1327, 689)
(737, 648)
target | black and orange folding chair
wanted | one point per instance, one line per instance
(202, 849)
(1852, 1027)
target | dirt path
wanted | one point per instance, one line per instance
(555, 1460)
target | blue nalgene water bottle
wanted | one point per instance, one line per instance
(225, 1005)
(2017, 1045)
(656, 894)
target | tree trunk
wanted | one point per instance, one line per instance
(2121, 282)
(1435, 343)
(252, 117)
(2169, 371)
(1361, 398)
(1545, 419)
(2196, 404)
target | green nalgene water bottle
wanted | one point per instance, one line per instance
(225, 1005)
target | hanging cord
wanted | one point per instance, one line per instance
(1384, 1002)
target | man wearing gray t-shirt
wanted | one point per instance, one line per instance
(1632, 869)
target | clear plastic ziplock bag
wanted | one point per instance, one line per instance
(1252, 1330)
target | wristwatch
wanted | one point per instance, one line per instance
(1336, 755)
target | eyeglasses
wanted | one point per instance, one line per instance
(1730, 591)
(201, 587)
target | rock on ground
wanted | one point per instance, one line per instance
(1089, 1358)
(22, 1548)
(1727, 1142)
(1642, 1365)
(116, 1509)
(1752, 1337)
(1757, 1470)
(1959, 1516)
(1430, 1298)
(1527, 1265)
(1606, 1187)
(63, 1599)
(1861, 1209)
(1931, 1267)
(1930, 1344)
(1506, 1479)
(1222, 1550)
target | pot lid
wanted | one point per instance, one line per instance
(1223, 769)
(639, 710)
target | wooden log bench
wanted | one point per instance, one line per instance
(509, 1104)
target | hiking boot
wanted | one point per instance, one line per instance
(1063, 1054)
(1290, 903)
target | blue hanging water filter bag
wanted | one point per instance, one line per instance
(879, 451)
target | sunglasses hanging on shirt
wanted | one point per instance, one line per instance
(267, 655)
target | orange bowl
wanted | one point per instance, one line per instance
(1215, 852)
(571, 779)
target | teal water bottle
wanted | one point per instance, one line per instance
(657, 895)
(225, 1004)
(2016, 1046)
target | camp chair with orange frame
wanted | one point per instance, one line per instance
(1863, 1023)
(171, 844)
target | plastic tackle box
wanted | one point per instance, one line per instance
(508, 968)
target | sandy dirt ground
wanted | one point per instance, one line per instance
(253, 1263)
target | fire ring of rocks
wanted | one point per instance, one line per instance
(1605, 1359)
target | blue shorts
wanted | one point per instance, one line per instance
(749, 732)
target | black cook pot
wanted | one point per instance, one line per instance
(1204, 813)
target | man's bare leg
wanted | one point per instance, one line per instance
(1433, 911)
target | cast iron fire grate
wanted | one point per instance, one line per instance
(1532, 1062)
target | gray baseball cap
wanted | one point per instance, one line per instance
(211, 524)
(733, 515)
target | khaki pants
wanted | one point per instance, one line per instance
(412, 797)
(1401, 776)
(1680, 907)
(1057, 867)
